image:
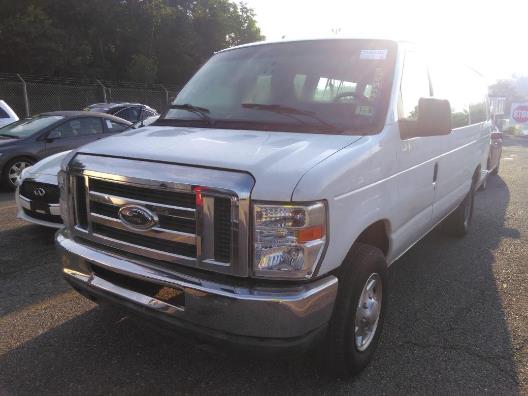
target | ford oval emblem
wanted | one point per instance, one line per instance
(137, 217)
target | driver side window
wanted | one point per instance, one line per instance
(414, 85)
(64, 130)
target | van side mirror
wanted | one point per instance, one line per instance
(434, 119)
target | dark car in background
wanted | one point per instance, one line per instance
(495, 151)
(132, 112)
(27, 141)
(494, 157)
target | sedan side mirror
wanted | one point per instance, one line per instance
(434, 119)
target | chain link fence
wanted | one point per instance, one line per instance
(30, 95)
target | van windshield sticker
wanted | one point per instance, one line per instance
(367, 111)
(373, 54)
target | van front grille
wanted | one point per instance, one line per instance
(182, 232)
(222, 229)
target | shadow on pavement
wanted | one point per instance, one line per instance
(445, 333)
(510, 140)
(6, 196)
(29, 270)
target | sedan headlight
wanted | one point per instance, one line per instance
(22, 175)
(289, 239)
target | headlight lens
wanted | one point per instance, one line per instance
(289, 239)
(22, 175)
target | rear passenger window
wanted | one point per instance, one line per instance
(130, 114)
(88, 126)
(414, 85)
(115, 127)
(3, 113)
(261, 90)
(331, 90)
(77, 127)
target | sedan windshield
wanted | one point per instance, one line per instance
(322, 86)
(28, 127)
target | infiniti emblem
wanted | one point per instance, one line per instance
(39, 192)
(137, 217)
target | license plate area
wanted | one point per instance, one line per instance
(166, 294)
(39, 207)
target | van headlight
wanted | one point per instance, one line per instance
(289, 239)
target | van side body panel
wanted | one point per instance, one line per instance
(385, 178)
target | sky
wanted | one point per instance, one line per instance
(491, 36)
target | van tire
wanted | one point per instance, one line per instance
(457, 223)
(342, 357)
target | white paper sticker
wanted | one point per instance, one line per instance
(365, 111)
(373, 54)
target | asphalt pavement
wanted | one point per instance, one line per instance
(457, 320)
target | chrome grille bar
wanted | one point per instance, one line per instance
(156, 232)
(169, 210)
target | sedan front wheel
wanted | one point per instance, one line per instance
(13, 170)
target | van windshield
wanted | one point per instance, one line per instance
(320, 86)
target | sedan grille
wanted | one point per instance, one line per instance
(40, 192)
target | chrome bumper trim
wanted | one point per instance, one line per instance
(287, 311)
(26, 204)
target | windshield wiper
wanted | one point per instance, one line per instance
(9, 136)
(201, 111)
(291, 111)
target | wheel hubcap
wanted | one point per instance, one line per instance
(368, 312)
(16, 169)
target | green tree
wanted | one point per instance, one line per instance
(143, 40)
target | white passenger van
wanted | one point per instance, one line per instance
(266, 205)
(7, 115)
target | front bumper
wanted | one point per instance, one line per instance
(25, 212)
(241, 312)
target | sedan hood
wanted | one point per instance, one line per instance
(277, 160)
(46, 170)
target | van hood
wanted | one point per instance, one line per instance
(277, 160)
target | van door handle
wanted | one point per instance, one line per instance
(435, 173)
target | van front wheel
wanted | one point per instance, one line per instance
(357, 320)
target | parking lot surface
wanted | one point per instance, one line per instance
(457, 320)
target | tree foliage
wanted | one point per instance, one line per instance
(138, 40)
(504, 88)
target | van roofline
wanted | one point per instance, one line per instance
(299, 40)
